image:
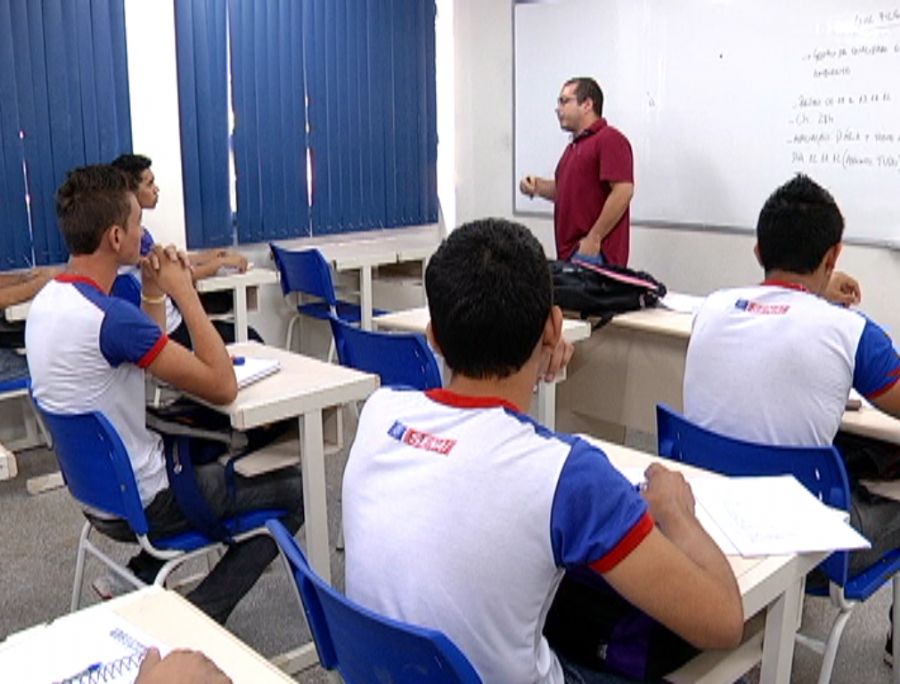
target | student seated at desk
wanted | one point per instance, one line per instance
(774, 362)
(203, 264)
(462, 514)
(16, 288)
(88, 351)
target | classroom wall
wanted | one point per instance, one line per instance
(153, 85)
(687, 261)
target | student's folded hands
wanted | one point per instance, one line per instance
(168, 269)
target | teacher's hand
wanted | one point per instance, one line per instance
(528, 186)
(589, 246)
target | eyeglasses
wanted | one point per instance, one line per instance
(563, 100)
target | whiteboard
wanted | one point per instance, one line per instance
(723, 101)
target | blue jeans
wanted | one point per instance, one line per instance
(597, 260)
(13, 365)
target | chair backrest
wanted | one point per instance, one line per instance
(95, 465)
(397, 358)
(127, 287)
(364, 646)
(819, 469)
(304, 271)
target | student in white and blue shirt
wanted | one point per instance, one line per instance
(462, 514)
(88, 351)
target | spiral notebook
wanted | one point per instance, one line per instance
(100, 647)
(249, 369)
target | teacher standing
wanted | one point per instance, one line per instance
(594, 179)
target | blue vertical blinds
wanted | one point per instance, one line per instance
(203, 112)
(268, 93)
(63, 103)
(359, 73)
(372, 113)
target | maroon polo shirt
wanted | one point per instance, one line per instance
(600, 154)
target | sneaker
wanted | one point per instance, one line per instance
(889, 650)
(110, 585)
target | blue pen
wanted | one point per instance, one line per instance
(237, 360)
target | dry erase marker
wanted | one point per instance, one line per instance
(237, 360)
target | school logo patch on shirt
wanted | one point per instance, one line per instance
(757, 308)
(419, 439)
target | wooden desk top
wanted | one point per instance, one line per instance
(302, 384)
(259, 275)
(164, 616)
(870, 422)
(17, 312)
(347, 251)
(656, 320)
(415, 320)
(759, 579)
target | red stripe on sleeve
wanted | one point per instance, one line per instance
(626, 545)
(153, 352)
(884, 388)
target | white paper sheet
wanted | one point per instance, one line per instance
(765, 516)
(683, 303)
(96, 643)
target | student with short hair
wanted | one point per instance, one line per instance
(774, 363)
(462, 514)
(203, 264)
(88, 351)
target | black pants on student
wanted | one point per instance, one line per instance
(243, 563)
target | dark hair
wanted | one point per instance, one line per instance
(489, 295)
(586, 87)
(798, 223)
(91, 199)
(133, 165)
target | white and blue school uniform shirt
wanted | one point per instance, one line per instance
(87, 351)
(460, 514)
(775, 363)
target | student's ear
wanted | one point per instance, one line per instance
(552, 328)
(831, 257)
(429, 335)
(756, 254)
(115, 235)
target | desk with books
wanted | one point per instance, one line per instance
(68, 644)
(771, 594)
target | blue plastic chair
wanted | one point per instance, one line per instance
(821, 470)
(98, 473)
(16, 385)
(361, 645)
(397, 358)
(307, 273)
(127, 287)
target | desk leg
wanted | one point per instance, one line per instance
(365, 296)
(315, 507)
(546, 404)
(240, 314)
(778, 642)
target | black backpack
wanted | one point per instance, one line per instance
(602, 291)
